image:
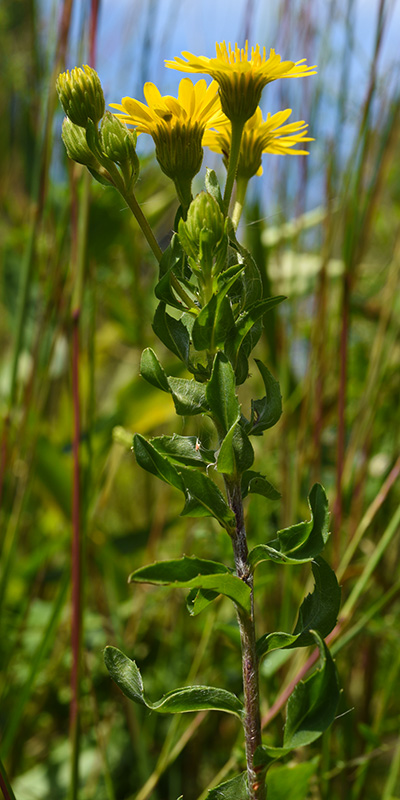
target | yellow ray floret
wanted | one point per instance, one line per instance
(197, 105)
(258, 137)
(177, 126)
(241, 75)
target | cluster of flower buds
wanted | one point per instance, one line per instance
(109, 152)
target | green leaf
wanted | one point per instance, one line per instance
(172, 333)
(195, 573)
(318, 612)
(236, 452)
(234, 789)
(251, 283)
(189, 396)
(204, 499)
(198, 599)
(265, 412)
(291, 781)
(244, 324)
(255, 483)
(151, 460)
(312, 705)
(126, 675)
(301, 542)
(186, 450)
(221, 393)
(152, 371)
(212, 325)
(171, 258)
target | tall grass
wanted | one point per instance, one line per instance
(325, 232)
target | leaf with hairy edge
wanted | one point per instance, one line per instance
(221, 394)
(126, 675)
(236, 453)
(318, 611)
(189, 396)
(172, 333)
(244, 324)
(152, 371)
(301, 542)
(234, 789)
(312, 705)
(255, 483)
(204, 499)
(265, 412)
(195, 573)
(186, 450)
(151, 460)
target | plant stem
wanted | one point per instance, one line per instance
(236, 137)
(252, 719)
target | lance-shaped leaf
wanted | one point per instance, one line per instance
(318, 611)
(244, 324)
(186, 450)
(265, 412)
(195, 573)
(301, 542)
(255, 483)
(252, 288)
(171, 262)
(152, 371)
(151, 460)
(236, 452)
(312, 705)
(234, 789)
(126, 675)
(204, 499)
(221, 393)
(202, 496)
(212, 325)
(213, 188)
(172, 333)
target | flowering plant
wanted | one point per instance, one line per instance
(213, 286)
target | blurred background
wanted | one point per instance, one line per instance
(324, 230)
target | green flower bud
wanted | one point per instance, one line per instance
(205, 213)
(119, 143)
(76, 145)
(81, 95)
(203, 236)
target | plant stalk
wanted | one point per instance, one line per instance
(252, 718)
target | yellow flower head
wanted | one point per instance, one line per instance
(241, 77)
(258, 137)
(177, 125)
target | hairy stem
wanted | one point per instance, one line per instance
(252, 720)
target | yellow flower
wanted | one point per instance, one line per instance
(258, 137)
(241, 77)
(177, 125)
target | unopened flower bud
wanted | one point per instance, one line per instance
(76, 145)
(119, 143)
(203, 235)
(204, 212)
(81, 95)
